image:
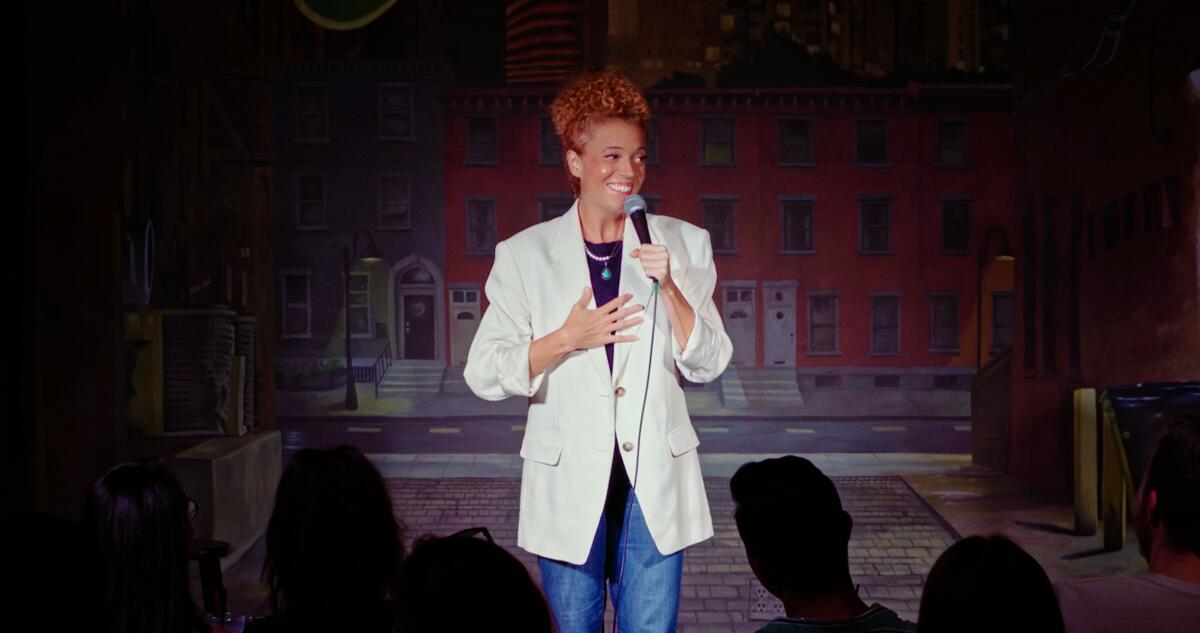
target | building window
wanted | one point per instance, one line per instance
(795, 142)
(712, 53)
(885, 325)
(874, 227)
(822, 324)
(952, 143)
(483, 147)
(652, 141)
(551, 148)
(464, 297)
(312, 114)
(1002, 320)
(395, 197)
(297, 304)
(652, 203)
(726, 21)
(717, 144)
(550, 208)
(395, 112)
(944, 336)
(481, 226)
(719, 220)
(797, 224)
(310, 201)
(871, 143)
(956, 227)
(783, 9)
(360, 306)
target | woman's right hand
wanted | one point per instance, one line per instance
(585, 329)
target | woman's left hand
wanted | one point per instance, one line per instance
(656, 262)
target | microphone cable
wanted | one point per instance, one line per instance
(637, 461)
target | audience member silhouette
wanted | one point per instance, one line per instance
(988, 584)
(1167, 518)
(136, 531)
(796, 535)
(333, 546)
(447, 579)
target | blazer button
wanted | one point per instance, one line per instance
(620, 392)
(628, 446)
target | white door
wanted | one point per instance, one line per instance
(779, 326)
(464, 320)
(738, 312)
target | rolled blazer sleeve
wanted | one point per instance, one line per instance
(498, 361)
(708, 348)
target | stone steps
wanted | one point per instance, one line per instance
(409, 377)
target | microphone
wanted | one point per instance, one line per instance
(635, 208)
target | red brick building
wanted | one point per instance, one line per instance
(846, 222)
(1108, 253)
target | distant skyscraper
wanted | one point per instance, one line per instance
(550, 40)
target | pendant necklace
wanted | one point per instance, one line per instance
(605, 273)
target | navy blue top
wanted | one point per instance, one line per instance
(605, 291)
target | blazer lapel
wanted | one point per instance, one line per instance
(571, 272)
(635, 282)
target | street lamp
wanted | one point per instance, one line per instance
(1004, 254)
(370, 256)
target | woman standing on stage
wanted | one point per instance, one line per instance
(611, 490)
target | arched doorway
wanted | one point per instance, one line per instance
(417, 330)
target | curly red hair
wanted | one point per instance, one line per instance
(591, 98)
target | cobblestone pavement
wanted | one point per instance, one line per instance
(895, 541)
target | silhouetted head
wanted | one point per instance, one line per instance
(1168, 504)
(135, 525)
(473, 577)
(333, 544)
(791, 521)
(988, 584)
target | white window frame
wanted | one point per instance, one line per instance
(933, 298)
(298, 224)
(784, 120)
(298, 136)
(287, 304)
(732, 121)
(784, 201)
(837, 343)
(383, 114)
(470, 250)
(872, 296)
(370, 333)
(887, 142)
(862, 228)
(965, 146)
(379, 203)
(495, 160)
(732, 201)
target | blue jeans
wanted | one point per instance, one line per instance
(576, 592)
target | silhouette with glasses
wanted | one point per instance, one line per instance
(466, 575)
(136, 531)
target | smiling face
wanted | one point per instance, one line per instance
(611, 166)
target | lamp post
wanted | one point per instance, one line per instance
(370, 256)
(1004, 254)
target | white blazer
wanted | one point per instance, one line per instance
(576, 405)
